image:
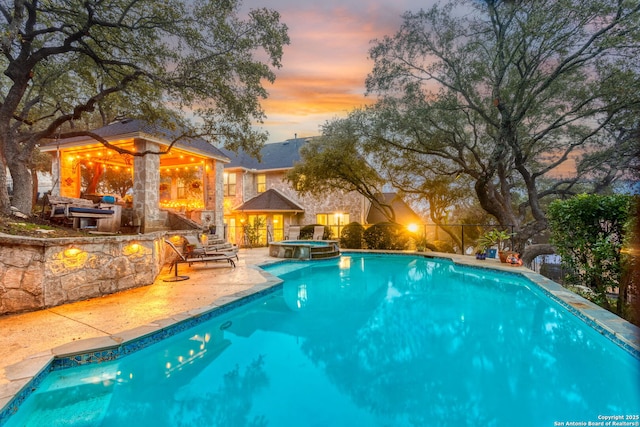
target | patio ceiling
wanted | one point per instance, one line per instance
(174, 160)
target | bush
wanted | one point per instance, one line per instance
(351, 236)
(443, 246)
(306, 232)
(590, 232)
(386, 235)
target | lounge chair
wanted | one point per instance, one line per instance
(318, 232)
(196, 248)
(182, 259)
(293, 233)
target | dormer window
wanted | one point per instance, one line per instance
(229, 184)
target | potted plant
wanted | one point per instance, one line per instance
(481, 252)
(497, 238)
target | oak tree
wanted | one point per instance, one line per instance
(197, 66)
(526, 100)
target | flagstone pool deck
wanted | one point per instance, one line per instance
(30, 341)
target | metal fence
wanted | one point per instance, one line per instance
(459, 238)
(455, 238)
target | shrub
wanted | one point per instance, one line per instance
(590, 232)
(422, 244)
(443, 246)
(351, 236)
(386, 235)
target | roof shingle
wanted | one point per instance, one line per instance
(277, 155)
(272, 201)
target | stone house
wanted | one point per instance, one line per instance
(255, 192)
(187, 177)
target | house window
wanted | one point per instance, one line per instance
(278, 227)
(229, 184)
(181, 189)
(335, 221)
(261, 183)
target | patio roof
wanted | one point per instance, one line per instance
(270, 201)
(123, 132)
(274, 156)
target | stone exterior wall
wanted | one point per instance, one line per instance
(40, 273)
(337, 202)
(346, 202)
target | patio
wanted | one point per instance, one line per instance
(186, 177)
(28, 342)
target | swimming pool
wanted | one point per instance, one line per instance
(361, 340)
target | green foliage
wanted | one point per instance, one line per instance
(336, 161)
(443, 246)
(500, 98)
(589, 233)
(196, 68)
(422, 243)
(495, 237)
(352, 236)
(253, 232)
(387, 235)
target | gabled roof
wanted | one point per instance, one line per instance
(270, 201)
(404, 213)
(277, 155)
(132, 128)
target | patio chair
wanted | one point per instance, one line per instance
(318, 232)
(196, 248)
(182, 259)
(293, 233)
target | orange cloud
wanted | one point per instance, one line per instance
(326, 64)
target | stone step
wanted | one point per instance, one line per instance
(325, 254)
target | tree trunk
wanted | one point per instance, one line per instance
(5, 203)
(92, 187)
(22, 187)
(532, 251)
(34, 187)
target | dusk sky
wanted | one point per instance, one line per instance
(326, 64)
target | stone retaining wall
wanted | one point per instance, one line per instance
(40, 273)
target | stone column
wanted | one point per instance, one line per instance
(219, 192)
(56, 173)
(213, 178)
(146, 186)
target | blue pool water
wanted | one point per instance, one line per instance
(361, 341)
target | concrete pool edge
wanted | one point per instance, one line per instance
(25, 376)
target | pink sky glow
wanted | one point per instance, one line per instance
(326, 64)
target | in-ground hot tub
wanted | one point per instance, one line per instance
(304, 249)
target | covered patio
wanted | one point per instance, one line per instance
(187, 179)
(262, 219)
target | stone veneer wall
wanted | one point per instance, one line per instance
(351, 203)
(40, 273)
(146, 202)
